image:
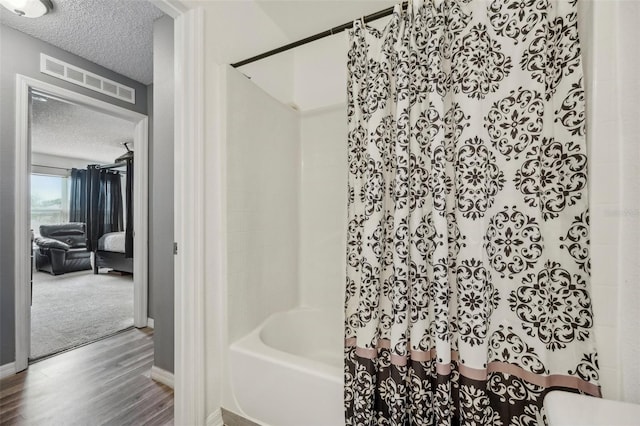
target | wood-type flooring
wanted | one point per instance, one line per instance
(104, 383)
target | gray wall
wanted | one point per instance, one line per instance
(150, 300)
(161, 195)
(20, 54)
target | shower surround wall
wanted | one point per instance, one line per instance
(323, 208)
(286, 210)
(628, 54)
(263, 174)
(610, 33)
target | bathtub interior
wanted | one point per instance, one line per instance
(288, 371)
(308, 333)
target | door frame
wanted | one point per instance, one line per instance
(24, 85)
(189, 215)
(189, 212)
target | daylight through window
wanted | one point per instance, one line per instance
(49, 200)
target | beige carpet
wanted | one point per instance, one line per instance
(76, 308)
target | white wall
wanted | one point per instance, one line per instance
(274, 75)
(320, 78)
(313, 79)
(628, 83)
(262, 231)
(320, 91)
(40, 159)
(323, 207)
(263, 169)
(235, 30)
(316, 80)
(613, 88)
(603, 142)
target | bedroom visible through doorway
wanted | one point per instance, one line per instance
(81, 187)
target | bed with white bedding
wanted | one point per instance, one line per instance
(113, 241)
(111, 254)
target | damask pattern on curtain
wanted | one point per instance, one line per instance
(467, 291)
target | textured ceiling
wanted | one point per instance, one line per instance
(117, 34)
(67, 130)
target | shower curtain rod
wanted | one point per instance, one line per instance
(327, 33)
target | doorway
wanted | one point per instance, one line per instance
(138, 124)
(77, 295)
(189, 219)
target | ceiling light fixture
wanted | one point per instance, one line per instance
(28, 8)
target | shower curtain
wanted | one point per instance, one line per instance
(467, 290)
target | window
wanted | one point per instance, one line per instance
(49, 200)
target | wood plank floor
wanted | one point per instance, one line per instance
(105, 383)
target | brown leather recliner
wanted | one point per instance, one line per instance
(62, 248)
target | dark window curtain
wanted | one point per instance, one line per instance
(111, 201)
(104, 204)
(93, 198)
(78, 196)
(128, 236)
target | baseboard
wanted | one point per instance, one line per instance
(7, 370)
(150, 322)
(162, 376)
(215, 418)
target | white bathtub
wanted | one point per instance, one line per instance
(288, 371)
